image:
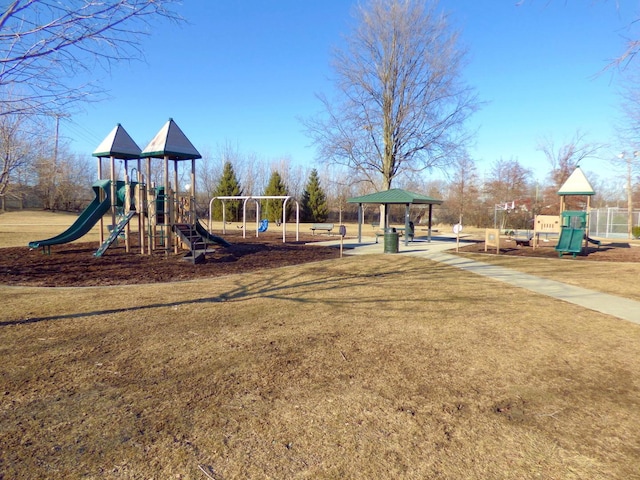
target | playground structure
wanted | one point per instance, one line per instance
(166, 216)
(261, 225)
(574, 224)
(571, 226)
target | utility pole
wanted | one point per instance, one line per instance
(54, 170)
(629, 162)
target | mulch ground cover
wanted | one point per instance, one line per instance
(619, 251)
(74, 265)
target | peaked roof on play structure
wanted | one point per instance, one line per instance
(172, 143)
(576, 184)
(395, 196)
(118, 144)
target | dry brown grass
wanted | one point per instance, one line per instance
(364, 367)
(608, 277)
(19, 228)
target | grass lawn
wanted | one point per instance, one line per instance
(377, 366)
(620, 279)
(365, 367)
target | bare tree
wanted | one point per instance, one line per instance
(463, 190)
(75, 177)
(17, 149)
(46, 43)
(565, 158)
(253, 174)
(402, 103)
(508, 183)
(628, 130)
(294, 176)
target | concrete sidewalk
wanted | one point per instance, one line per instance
(436, 250)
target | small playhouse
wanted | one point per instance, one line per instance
(571, 226)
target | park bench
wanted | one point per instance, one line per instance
(321, 226)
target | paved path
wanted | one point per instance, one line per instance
(619, 307)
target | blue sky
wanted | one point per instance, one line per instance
(245, 71)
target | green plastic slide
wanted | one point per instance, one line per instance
(87, 219)
(204, 233)
(570, 240)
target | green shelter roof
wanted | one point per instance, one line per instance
(396, 196)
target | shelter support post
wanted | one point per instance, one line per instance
(406, 224)
(359, 223)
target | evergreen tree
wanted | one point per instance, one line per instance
(227, 186)
(272, 209)
(314, 201)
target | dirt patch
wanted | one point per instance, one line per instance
(607, 252)
(73, 265)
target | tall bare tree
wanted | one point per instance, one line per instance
(508, 184)
(463, 191)
(16, 151)
(401, 101)
(564, 159)
(45, 44)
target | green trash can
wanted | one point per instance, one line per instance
(391, 240)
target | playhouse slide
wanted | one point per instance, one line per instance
(570, 240)
(87, 219)
(594, 241)
(204, 233)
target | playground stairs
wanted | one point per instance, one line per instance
(115, 233)
(193, 240)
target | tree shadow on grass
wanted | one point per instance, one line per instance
(299, 289)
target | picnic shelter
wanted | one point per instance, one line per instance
(395, 196)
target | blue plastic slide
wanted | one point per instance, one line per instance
(87, 219)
